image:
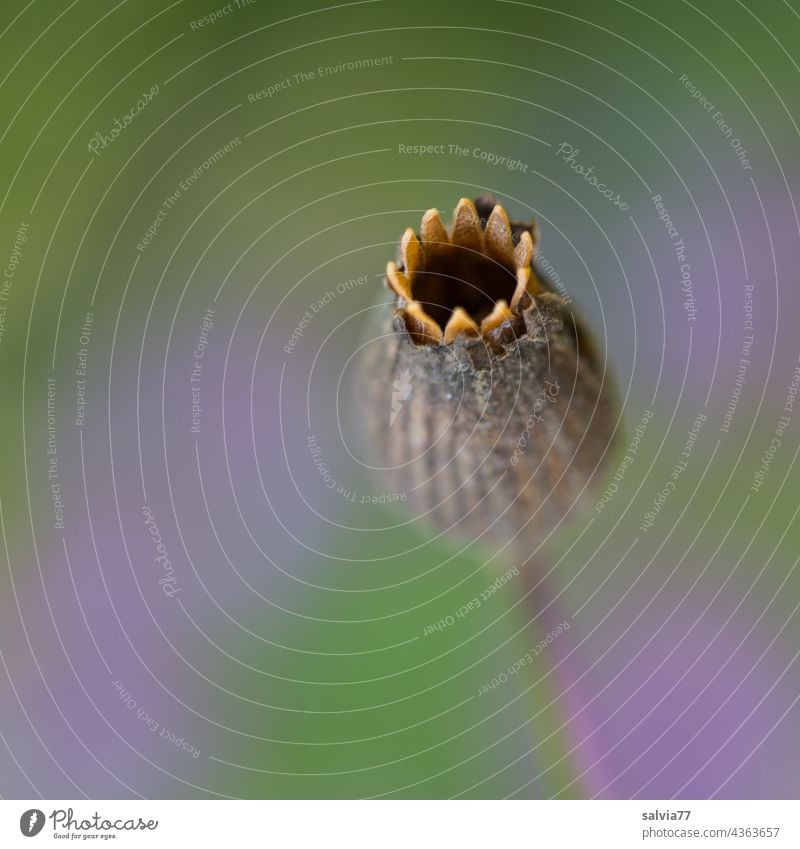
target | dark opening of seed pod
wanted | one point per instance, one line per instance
(461, 277)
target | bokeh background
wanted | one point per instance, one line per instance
(282, 644)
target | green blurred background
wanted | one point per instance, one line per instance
(282, 649)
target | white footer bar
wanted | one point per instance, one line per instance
(390, 824)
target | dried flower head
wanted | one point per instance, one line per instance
(511, 413)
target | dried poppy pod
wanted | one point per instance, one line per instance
(484, 402)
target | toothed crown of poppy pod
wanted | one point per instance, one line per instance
(467, 282)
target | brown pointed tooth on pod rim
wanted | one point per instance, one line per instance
(460, 322)
(497, 235)
(466, 230)
(421, 326)
(411, 251)
(524, 281)
(485, 346)
(523, 253)
(496, 317)
(434, 235)
(398, 282)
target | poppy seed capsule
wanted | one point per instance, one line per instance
(484, 402)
